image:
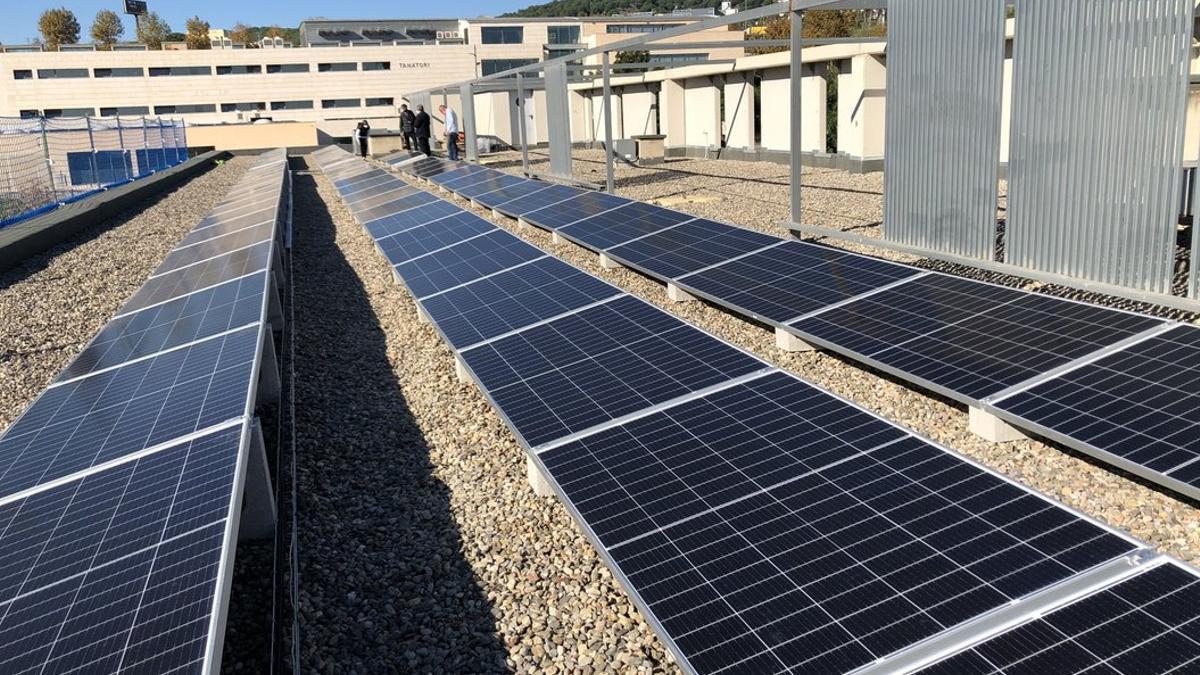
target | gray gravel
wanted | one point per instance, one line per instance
(423, 547)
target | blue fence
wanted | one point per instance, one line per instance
(45, 163)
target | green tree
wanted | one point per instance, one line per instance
(106, 29)
(633, 56)
(152, 30)
(197, 33)
(58, 27)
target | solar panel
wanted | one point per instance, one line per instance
(1139, 407)
(81, 423)
(968, 339)
(520, 205)
(513, 299)
(458, 172)
(461, 181)
(596, 365)
(118, 571)
(517, 190)
(490, 184)
(211, 272)
(439, 234)
(582, 205)
(465, 262)
(358, 181)
(379, 195)
(369, 188)
(250, 214)
(191, 254)
(689, 247)
(618, 226)
(265, 215)
(403, 202)
(794, 531)
(410, 218)
(430, 167)
(1146, 624)
(780, 283)
(172, 324)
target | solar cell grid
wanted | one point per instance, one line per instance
(359, 181)
(779, 283)
(439, 234)
(582, 205)
(78, 424)
(513, 299)
(596, 365)
(254, 219)
(251, 209)
(1146, 625)
(415, 217)
(465, 262)
(967, 338)
(402, 203)
(549, 195)
(211, 272)
(689, 247)
(1140, 404)
(838, 568)
(380, 194)
(519, 190)
(430, 167)
(192, 254)
(460, 172)
(490, 184)
(177, 322)
(618, 226)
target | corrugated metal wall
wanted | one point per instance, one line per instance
(558, 120)
(945, 67)
(1099, 90)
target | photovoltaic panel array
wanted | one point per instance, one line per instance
(760, 523)
(120, 485)
(972, 341)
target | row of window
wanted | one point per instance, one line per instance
(173, 71)
(640, 27)
(193, 108)
(493, 66)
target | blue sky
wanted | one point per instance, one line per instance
(18, 18)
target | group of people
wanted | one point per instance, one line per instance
(415, 128)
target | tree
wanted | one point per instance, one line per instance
(275, 32)
(197, 33)
(58, 27)
(152, 30)
(243, 34)
(633, 56)
(106, 29)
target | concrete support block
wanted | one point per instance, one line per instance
(556, 238)
(678, 294)
(522, 224)
(608, 263)
(992, 428)
(460, 370)
(497, 215)
(422, 316)
(541, 486)
(258, 503)
(788, 342)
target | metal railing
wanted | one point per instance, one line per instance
(48, 162)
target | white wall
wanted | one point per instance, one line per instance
(702, 101)
(637, 108)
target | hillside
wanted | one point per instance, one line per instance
(609, 7)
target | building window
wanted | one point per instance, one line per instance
(639, 27)
(30, 114)
(125, 110)
(376, 102)
(68, 112)
(340, 103)
(176, 71)
(242, 107)
(493, 66)
(341, 67)
(185, 108)
(677, 58)
(562, 35)
(287, 68)
(61, 73)
(22, 74)
(118, 72)
(376, 65)
(502, 35)
(239, 70)
(557, 53)
(291, 105)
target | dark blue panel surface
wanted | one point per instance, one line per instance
(418, 241)
(550, 195)
(1149, 624)
(360, 179)
(379, 196)
(458, 172)
(689, 247)
(1141, 404)
(211, 272)
(194, 253)
(209, 230)
(432, 166)
(618, 226)
(367, 190)
(785, 281)
(171, 324)
(490, 184)
(465, 262)
(411, 201)
(603, 362)
(415, 217)
(519, 190)
(970, 338)
(509, 300)
(582, 205)
(79, 424)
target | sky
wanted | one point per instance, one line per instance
(18, 18)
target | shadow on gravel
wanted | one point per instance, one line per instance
(383, 583)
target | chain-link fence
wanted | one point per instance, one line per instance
(48, 162)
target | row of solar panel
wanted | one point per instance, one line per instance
(762, 524)
(119, 485)
(1121, 386)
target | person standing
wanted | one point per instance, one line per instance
(421, 130)
(451, 120)
(407, 120)
(361, 133)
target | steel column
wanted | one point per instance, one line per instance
(466, 116)
(609, 182)
(558, 120)
(795, 77)
(521, 125)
